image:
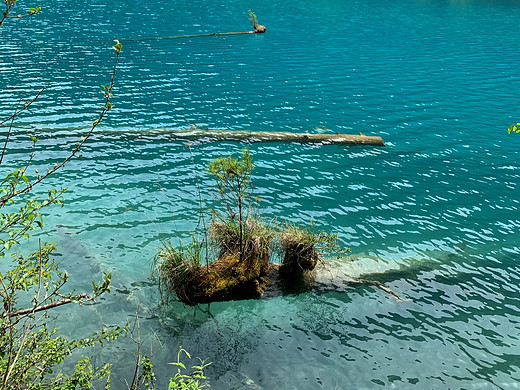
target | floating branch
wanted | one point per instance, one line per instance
(258, 29)
(277, 136)
(193, 36)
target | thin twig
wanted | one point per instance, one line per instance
(25, 107)
(134, 384)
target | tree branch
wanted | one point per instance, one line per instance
(25, 107)
(48, 306)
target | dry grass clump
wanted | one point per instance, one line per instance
(177, 267)
(255, 246)
(298, 246)
(230, 276)
(301, 248)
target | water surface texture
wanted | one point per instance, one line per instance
(435, 213)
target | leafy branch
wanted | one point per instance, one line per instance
(9, 4)
(28, 348)
(193, 381)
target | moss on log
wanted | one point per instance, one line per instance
(226, 279)
(277, 136)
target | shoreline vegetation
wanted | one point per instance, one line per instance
(236, 257)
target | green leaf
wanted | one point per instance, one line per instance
(118, 46)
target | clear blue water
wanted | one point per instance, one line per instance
(435, 214)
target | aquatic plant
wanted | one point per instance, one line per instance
(250, 243)
(181, 273)
(239, 239)
(257, 26)
(239, 231)
(241, 242)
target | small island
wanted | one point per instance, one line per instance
(233, 258)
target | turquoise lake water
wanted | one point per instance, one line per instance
(434, 214)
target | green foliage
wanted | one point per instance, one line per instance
(31, 350)
(43, 350)
(83, 377)
(253, 19)
(118, 46)
(31, 284)
(515, 128)
(147, 376)
(233, 178)
(193, 381)
(233, 181)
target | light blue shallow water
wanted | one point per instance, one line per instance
(438, 208)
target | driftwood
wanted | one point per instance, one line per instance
(260, 31)
(215, 34)
(276, 136)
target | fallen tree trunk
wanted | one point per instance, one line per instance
(277, 136)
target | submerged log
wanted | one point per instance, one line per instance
(230, 280)
(277, 136)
